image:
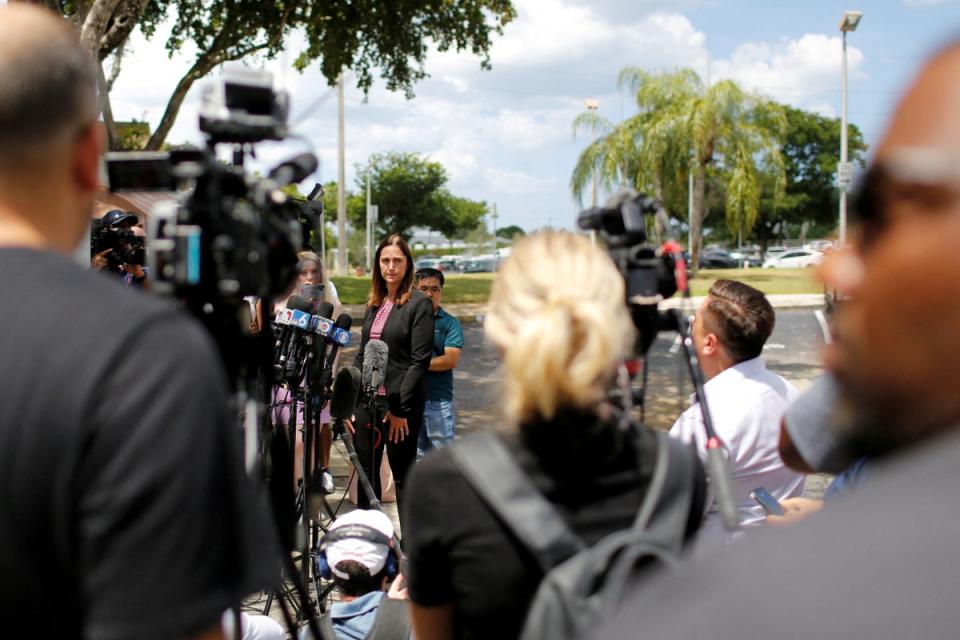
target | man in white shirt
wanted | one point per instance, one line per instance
(746, 400)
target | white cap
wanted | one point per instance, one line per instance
(372, 555)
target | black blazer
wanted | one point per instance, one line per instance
(409, 336)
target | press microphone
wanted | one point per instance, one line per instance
(341, 327)
(299, 337)
(324, 310)
(346, 389)
(375, 356)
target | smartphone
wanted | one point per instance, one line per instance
(766, 500)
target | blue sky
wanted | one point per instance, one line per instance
(504, 135)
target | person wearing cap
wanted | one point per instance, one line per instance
(360, 555)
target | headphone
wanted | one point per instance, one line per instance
(357, 531)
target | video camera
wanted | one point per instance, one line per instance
(651, 274)
(230, 234)
(113, 233)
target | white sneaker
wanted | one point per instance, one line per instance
(326, 481)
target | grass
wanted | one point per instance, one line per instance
(476, 287)
(458, 288)
(766, 280)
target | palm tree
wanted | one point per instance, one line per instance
(610, 159)
(683, 122)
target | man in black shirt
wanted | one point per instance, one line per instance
(124, 510)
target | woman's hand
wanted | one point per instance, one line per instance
(348, 424)
(398, 428)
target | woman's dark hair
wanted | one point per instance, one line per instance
(378, 289)
(360, 581)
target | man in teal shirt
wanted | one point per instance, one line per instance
(439, 423)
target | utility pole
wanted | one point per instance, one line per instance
(369, 230)
(341, 187)
(493, 217)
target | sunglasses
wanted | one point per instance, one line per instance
(927, 180)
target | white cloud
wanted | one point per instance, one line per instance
(796, 71)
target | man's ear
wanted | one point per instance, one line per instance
(711, 344)
(87, 151)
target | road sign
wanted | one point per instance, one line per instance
(844, 174)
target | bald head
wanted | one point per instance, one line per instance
(929, 114)
(47, 84)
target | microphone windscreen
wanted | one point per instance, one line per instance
(346, 388)
(345, 321)
(300, 303)
(379, 353)
(325, 310)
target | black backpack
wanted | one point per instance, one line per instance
(582, 586)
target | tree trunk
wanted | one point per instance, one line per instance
(94, 25)
(696, 222)
(202, 67)
(122, 22)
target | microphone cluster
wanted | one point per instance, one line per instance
(312, 323)
(297, 349)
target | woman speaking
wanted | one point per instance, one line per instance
(558, 318)
(402, 317)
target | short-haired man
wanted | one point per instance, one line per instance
(745, 399)
(439, 419)
(360, 555)
(125, 511)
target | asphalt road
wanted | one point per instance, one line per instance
(792, 351)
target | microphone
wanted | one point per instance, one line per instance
(375, 357)
(294, 170)
(299, 337)
(346, 389)
(340, 328)
(317, 364)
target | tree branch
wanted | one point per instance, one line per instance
(95, 25)
(121, 24)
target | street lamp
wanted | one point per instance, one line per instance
(848, 23)
(593, 105)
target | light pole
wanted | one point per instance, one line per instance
(848, 23)
(341, 187)
(593, 105)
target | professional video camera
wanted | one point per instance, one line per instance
(651, 274)
(113, 233)
(234, 234)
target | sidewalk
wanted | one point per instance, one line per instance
(474, 312)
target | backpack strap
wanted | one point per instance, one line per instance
(392, 621)
(666, 506)
(505, 487)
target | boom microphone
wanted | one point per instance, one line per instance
(346, 389)
(375, 357)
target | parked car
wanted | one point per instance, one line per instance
(819, 245)
(480, 266)
(447, 265)
(717, 259)
(794, 259)
(427, 263)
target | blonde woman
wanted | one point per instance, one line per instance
(558, 318)
(311, 282)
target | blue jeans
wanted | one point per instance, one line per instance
(439, 426)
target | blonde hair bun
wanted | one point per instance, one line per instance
(557, 311)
